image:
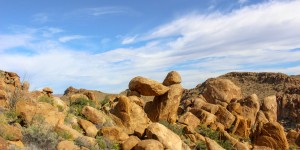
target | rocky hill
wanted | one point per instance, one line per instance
(239, 111)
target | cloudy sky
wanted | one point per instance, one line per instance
(100, 44)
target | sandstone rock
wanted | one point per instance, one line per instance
(270, 108)
(64, 128)
(67, 145)
(47, 90)
(261, 118)
(173, 77)
(261, 148)
(29, 110)
(271, 135)
(247, 107)
(93, 115)
(11, 133)
(130, 143)
(137, 100)
(189, 119)
(114, 134)
(149, 145)
(147, 87)
(242, 127)
(205, 117)
(18, 144)
(292, 136)
(57, 102)
(237, 145)
(225, 117)
(165, 107)
(169, 139)
(131, 115)
(74, 97)
(133, 93)
(221, 90)
(89, 128)
(212, 145)
(3, 144)
(3, 99)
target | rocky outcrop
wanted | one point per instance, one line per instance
(147, 87)
(169, 139)
(271, 135)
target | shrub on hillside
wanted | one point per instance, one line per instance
(46, 99)
(173, 127)
(78, 104)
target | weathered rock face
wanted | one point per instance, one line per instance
(225, 117)
(64, 128)
(67, 145)
(94, 115)
(130, 143)
(222, 90)
(131, 115)
(189, 119)
(205, 117)
(11, 133)
(212, 145)
(169, 139)
(89, 128)
(149, 145)
(165, 107)
(247, 107)
(271, 135)
(114, 134)
(3, 144)
(29, 110)
(173, 77)
(242, 126)
(147, 87)
(270, 108)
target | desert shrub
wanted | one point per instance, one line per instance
(46, 99)
(201, 145)
(176, 129)
(16, 96)
(78, 104)
(104, 143)
(214, 135)
(64, 134)
(105, 101)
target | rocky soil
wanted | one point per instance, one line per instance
(239, 111)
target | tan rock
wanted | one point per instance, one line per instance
(64, 128)
(3, 144)
(237, 145)
(270, 108)
(131, 115)
(57, 102)
(173, 77)
(271, 135)
(18, 144)
(225, 117)
(165, 107)
(67, 145)
(114, 134)
(149, 145)
(29, 110)
(221, 90)
(93, 115)
(261, 148)
(130, 143)
(25, 86)
(147, 87)
(242, 127)
(292, 136)
(47, 90)
(205, 117)
(212, 145)
(11, 133)
(261, 117)
(77, 96)
(137, 100)
(169, 139)
(189, 119)
(89, 128)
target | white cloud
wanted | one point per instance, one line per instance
(253, 38)
(129, 40)
(11, 41)
(70, 38)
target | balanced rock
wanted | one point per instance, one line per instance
(271, 135)
(147, 87)
(149, 144)
(173, 77)
(165, 107)
(169, 139)
(221, 90)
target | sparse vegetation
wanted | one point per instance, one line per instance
(46, 99)
(78, 104)
(107, 144)
(176, 129)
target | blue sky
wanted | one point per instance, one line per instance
(101, 45)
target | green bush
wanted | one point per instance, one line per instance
(78, 104)
(105, 101)
(176, 129)
(64, 134)
(201, 145)
(214, 135)
(104, 143)
(46, 99)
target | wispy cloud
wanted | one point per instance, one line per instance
(40, 18)
(252, 38)
(70, 38)
(128, 40)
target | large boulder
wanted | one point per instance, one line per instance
(68, 129)
(29, 110)
(130, 143)
(189, 119)
(270, 108)
(94, 115)
(169, 139)
(206, 118)
(147, 87)
(89, 128)
(242, 126)
(11, 133)
(222, 90)
(149, 144)
(173, 77)
(225, 117)
(132, 116)
(165, 107)
(114, 134)
(271, 135)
